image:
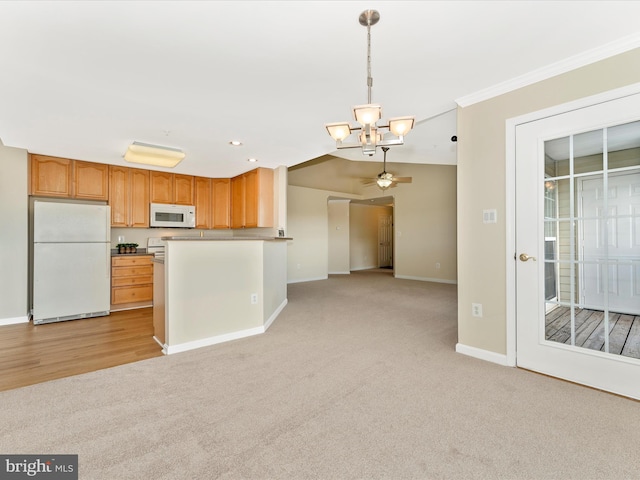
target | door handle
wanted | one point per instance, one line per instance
(524, 257)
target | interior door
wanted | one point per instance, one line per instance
(573, 232)
(385, 241)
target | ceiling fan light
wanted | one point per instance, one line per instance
(400, 126)
(384, 180)
(153, 155)
(339, 130)
(367, 114)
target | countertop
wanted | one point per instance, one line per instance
(194, 238)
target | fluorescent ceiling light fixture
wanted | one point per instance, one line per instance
(252, 159)
(235, 143)
(153, 155)
(371, 134)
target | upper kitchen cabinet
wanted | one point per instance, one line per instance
(221, 206)
(183, 189)
(171, 188)
(212, 202)
(252, 199)
(202, 197)
(129, 197)
(50, 176)
(161, 187)
(91, 180)
(62, 177)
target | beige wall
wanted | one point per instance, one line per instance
(339, 235)
(482, 184)
(14, 240)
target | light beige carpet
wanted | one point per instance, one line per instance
(357, 378)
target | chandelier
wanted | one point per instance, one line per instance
(370, 134)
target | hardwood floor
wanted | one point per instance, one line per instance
(624, 330)
(37, 353)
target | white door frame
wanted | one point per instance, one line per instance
(510, 211)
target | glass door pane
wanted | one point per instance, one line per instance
(592, 240)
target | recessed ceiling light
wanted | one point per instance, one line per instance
(252, 159)
(235, 143)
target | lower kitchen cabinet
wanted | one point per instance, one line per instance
(131, 282)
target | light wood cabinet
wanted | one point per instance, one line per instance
(221, 198)
(252, 199)
(90, 180)
(129, 197)
(131, 282)
(62, 177)
(245, 201)
(183, 189)
(50, 176)
(161, 187)
(203, 202)
(237, 201)
(171, 188)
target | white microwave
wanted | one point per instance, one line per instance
(172, 216)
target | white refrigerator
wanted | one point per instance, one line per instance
(71, 261)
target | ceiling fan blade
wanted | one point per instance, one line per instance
(368, 181)
(402, 179)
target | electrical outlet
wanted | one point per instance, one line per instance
(476, 309)
(437, 265)
(254, 298)
(298, 266)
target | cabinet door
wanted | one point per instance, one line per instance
(183, 189)
(221, 189)
(258, 198)
(251, 197)
(237, 201)
(161, 187)
(50, 176)
(91, 180)
(129, 197)
(119, 196)
(139, 187)
(265, 216)
(202, 194)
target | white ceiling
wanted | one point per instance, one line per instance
(85, 79)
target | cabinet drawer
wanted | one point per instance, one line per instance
(132, 271)
(131, 261)
(124, 281)
(139, 293)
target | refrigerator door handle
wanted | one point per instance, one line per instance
(108, 247)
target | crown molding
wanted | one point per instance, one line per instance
(591, 56)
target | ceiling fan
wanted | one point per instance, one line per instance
(386, 179)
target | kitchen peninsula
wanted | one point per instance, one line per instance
(217, 289)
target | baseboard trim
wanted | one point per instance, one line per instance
(275, 314)
(427, 279)
(339, 273)
(365, 268)
(14, 320)
(486, 355)
(302, 280)
(206, 342)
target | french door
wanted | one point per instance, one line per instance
(578, 245)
